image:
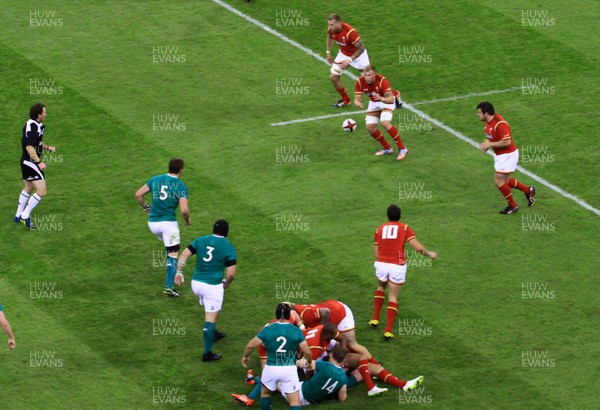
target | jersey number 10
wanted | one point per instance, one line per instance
(390, 232)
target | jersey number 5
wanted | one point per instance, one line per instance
(163, 192)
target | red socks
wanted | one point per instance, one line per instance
(513, 183)
(343, 94)
(379, 137)
(396, 136)
(505, 190)
(389, 378)
(378, 300)
(363, 368)
(392, 310)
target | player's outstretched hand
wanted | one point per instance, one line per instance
(11, 344)
(433, 255)
(245, 361)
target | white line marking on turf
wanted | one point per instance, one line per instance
(320, 117)
(460, 97)
(409, 107)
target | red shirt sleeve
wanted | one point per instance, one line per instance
(410, 234)
(353, 36)
(503, 130)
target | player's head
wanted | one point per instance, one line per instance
(37, 112)
(282, 311)
(176, 166)
(329, 332)
(221, 227)
(369, 74)
(334, 22)
(485, 110)
(338, 353)
(394, 213)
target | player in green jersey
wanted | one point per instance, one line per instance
(330, 380)
(282, 341)
(214, 255)
(168, 192)
(7, 329)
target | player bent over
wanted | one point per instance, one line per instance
(282, 340)
(382, 102)
(168, 192)
(329, 379)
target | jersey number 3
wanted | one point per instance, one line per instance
(209, 254)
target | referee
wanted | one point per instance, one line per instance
(32, 167)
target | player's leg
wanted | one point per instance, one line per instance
(504, 165)
(172, 255)
(386, 122)
(40, 191)
(372, 119)
(379, 297)
(397, 278)
(269, 380)
(248, 399)
(387, 377)
(336, 79)
(23, 198)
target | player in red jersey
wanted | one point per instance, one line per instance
(335, 312)
(352, 53)
(382, 99)
(506, 156)
(390, 264)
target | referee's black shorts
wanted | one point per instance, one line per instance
(31, 172)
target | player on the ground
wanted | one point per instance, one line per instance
(168, 192)
(506, 156)
(382, 102)
(32, 167)
(7, 329)
(352, 53)
(335, 312)
(214, 255)
(282, 340)
(329, 380)
(390, 265)
(364, 368)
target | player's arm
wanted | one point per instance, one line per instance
(358, 95)
(387, 97)
(181, 265)
(185, 211)
(328, 49)
(139, 197)
(343, 393)
(230, 274)
(48, 148)
(35, 157)
(8, 331)
(341, 339)
(376, 250)
(306, 352)
(360, 48)
(421, 249)
(252, 344)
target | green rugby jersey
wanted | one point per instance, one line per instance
(213, 254)
(166, 192)
(281, 341)
(328, 379)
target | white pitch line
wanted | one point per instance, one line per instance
(460, 97)
(320, 117)
(409, 107)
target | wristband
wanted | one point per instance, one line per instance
(179, 272)
(146, 207)
(328, 52)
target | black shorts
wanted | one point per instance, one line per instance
(31, 172)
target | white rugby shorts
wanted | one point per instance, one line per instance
(390, 272)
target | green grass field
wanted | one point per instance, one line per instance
(505, 318)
